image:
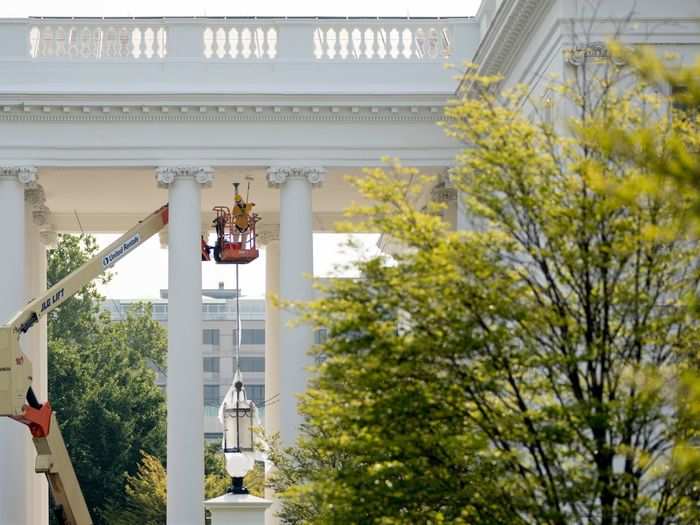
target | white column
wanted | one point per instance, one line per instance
(296, 246)
(269, 236)
(184, 389)
(34, 343)
(16, 472)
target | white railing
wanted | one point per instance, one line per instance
(372, 40)
(381, 41)
(240, 42)
(97, 41)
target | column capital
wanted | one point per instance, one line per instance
(277, 176)
(166, 175)
(35, 198)
(48, 238)
(268, 233)
(26, 175)
(444, 191)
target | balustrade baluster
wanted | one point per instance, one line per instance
(394, 42)
(47, 42)
(162, 42)
(407, 41)
(446, 42)
(138, 42)
(232, 39)
(382, 43)
(148, 47)
(71, 40)
(358, 47)
(220, 43)
(246, 42)
(98, 37)
(433, 43)
(336, 43)
(368, 37)
(319, 42)
(208, 41)
(227, 43)
(344, 41)
(124, 42)
(272, 43)
(260, 44)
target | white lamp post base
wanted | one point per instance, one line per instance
(237, 509)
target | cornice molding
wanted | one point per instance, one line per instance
(166, 175)
(277, 176)
(509, 28)
(219, 113)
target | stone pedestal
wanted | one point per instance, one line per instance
(237, 509)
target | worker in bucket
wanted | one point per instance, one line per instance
(242, 216)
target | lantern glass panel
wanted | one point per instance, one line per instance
(238, 427)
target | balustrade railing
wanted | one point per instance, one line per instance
(97, 41)
(244, 40)
(240, 42)
(381, 41)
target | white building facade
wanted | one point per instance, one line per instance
(107, 119)
(217, 348)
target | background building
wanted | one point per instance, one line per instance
(217, 346)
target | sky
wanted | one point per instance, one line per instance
(144, 272)
(159, 8)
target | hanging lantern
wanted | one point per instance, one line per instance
(239, 417)
(238, 422)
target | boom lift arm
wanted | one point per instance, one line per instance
(17, 399)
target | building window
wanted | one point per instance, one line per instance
(210, 437)
(320, 336)
(211, 396)
(254, 336)
(252, 364)
(256, 393)
(250, 336)
(210, 336)
(211, 364)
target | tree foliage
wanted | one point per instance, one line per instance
(102, 384)
(527, 371)
(146, 492)
(146, 496)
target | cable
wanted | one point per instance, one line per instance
(238, 324)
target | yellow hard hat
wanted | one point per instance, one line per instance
(238, 197)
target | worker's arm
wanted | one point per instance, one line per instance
(74, 282)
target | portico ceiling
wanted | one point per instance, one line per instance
(113, 199)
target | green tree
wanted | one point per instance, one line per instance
(146, 496)
(102, 384)
(527, 371)
(78, 317)
(146, 492)
(672, 162)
